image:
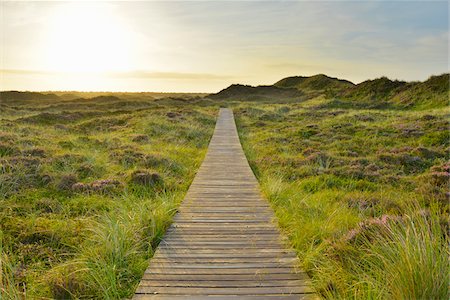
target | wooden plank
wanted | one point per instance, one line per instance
(222, 283)
(248, 256)
(224, 216)
(218, 266)
(224, 291)
(227, 277)
(242, 246)
(236, 226)
(230, 251)
(195, 242)
(221, 259)
(238, 211)
(253, 271)
(217, 231)
(223, 243)
(221, 237)
(227, 297)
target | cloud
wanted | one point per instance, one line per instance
(128, 74)
(298, 66)
(25, 72)
(170, 75)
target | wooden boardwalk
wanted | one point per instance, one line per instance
(223, 243)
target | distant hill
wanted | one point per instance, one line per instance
(22, 97)
(8, 96)
(247, 92)
(382, 92)
(318, 82)
(375, 93)
(431, 93)
(373, 90)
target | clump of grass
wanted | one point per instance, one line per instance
(410, 259)
(390, 257)
(111, 261)
(10, 288)
(109, 256)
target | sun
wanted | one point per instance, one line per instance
(87, 38)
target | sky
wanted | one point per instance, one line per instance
(204, 46)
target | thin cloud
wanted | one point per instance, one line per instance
(25, 72)
(171, 75)
(129, 74)
(298, 66)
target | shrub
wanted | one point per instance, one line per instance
(66, 182)
(7, 149)
(146, 178)
(140, 138)
(398, 258)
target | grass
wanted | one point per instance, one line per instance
(361, 193)
(87, 189)
(383, 93)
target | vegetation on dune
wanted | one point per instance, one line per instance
(357, 175)
(87, 189)
(385, 93)
(16, 96)
(246, 92)
(380, 93)
(375, 92)
(318, 82)
(431, 93)
(362, 194)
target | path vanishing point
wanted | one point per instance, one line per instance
(223, 243)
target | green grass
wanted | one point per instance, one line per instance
(360, 193)
(385, 93)
(87, 189)
(318, 82)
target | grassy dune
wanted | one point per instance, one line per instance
(360, 193)
(87, 188)
(357, 175)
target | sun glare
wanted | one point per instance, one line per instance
(87, 38)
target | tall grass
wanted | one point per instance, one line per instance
(116, 251)
(387, 257)
(360, 197)
(402, 258)
(109, 255)
(9, 287)
(410, 260)
(76, 221)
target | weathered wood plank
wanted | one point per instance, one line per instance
(223, 243)
(227, 297)
(222, 260)
(224, 251)
(221, 237)
(229, 272)
(218, 266)
(224, 291)
(226, 277)
(248, 255)
(223, 284)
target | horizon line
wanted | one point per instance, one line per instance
(164, 75)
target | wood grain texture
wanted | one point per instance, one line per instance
(223, 243)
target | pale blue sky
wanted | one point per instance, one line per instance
(207, 45)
